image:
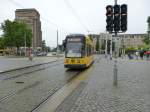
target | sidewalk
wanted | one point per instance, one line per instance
(7, 63)
(98, 94)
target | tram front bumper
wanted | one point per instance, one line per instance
(75, 66)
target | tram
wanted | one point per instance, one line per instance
(79, 51)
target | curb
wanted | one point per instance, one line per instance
(20, 68)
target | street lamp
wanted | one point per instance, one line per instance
(25, 43)
(57, 43)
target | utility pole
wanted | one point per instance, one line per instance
(25, 44)
(57, 43)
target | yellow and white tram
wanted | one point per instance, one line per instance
(78, 51)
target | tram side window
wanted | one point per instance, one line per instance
(83, 51)
(88, 50)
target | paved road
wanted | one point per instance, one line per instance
(95, 93)
(26, 92)
(7, 63)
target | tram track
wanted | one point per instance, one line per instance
(13, 92)
(50, 94)
(51, 85)
(70, 81)
(27, 70)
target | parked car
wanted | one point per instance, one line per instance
(42, 54)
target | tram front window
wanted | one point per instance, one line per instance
(73, 49)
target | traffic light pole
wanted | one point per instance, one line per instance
(115, 2)
(111, 47)
(116, 18)
(106, 45)
(115, 61)
(115, 69)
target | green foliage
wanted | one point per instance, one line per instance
(130, 49)
(54, 49)
(148, 21)
(97, 44)
(146, 40)
(15, 33)
(43, 45)
(48, 49)
(1, 43)
(143, 47)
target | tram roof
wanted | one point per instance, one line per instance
(74, 35)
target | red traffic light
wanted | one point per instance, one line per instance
(109, 9)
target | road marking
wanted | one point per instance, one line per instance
(54, 101)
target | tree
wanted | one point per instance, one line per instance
(1, 43)
(130, 49)
(143, 47)
(43, 45)
(146, 40)
(148, 21)
(48, 49)
(15, 34)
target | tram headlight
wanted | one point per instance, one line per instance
(67, 61)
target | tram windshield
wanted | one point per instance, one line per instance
(73, 49)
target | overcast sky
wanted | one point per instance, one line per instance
(76, 16)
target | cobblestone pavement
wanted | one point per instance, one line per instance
(97, 94)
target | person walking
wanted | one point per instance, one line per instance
(141, 54)
(137, 54)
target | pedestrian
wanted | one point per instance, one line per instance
(137, 55)
(30, 55)
(147, 56)
(141, 54)
(129, 55)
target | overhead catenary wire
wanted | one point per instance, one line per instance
(43, 18)
(16, 3)
(76, 15)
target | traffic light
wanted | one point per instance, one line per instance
(116, 18)
(109, 20)
(124, 17)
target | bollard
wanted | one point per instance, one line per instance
(115, 70)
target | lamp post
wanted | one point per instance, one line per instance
(25, 44)
(57, 43)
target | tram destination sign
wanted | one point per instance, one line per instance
(74, 39)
